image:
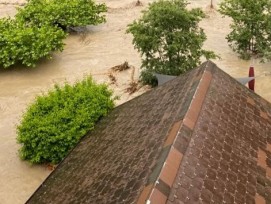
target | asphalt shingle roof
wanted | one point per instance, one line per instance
(200, 138)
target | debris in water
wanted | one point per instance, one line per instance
(133, 87)
(112, 78)
(51, 167)
(121, 67)
(139, 3)
(12, 3)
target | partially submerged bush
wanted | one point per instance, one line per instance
(55, 122)
(26, 45)
(64, 13)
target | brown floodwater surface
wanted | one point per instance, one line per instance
(102, 47)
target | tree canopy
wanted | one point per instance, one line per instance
(64, 13)
(169, 39)
(39, 28)
(250, 28)
(24, 44)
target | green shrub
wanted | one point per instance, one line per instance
(169, 39)
(55, 122)
(26, 45)
(148, 78)
(64, 13)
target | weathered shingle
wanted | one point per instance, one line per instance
(227, 160)
(200, 138)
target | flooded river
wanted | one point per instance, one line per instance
(104, 46)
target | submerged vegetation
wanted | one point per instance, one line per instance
(56, 121)
(169, 39)
(250, 28)
(40, 26)
(63, 14)
(27, 44)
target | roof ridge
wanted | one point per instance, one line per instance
(203, 137)
(176, 144)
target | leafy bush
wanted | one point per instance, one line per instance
(26, 45)
(147, 78)
(64, 13)
(55, 122)
(250, 26)
(169, 39)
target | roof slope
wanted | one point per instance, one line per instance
(200, 138)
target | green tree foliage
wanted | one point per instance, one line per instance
(26, 45)
(169, 39)
(37, 29)
(55, 122)
(251, 27)
(64, 13)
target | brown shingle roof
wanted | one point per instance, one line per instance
(200, 138)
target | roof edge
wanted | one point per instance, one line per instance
(176, 144)
(204, 65)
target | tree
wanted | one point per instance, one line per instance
(64, 13)
(169, 39)
(212, 5)
(38, 28)
(251, 27)
(24, 44)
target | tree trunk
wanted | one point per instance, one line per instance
(212, 6)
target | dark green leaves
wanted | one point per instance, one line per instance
(250, 35)
(55, 122)
(64, 13)
(169, 39)
(26, 45)
(38, 28)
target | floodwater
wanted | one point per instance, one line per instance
(104, 46)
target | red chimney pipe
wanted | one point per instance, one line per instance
(251, 84)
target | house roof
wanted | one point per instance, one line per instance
(200, 138)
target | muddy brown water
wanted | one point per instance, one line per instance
(104, 46)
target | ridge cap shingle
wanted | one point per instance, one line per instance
(158, 191)
(188, 125)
